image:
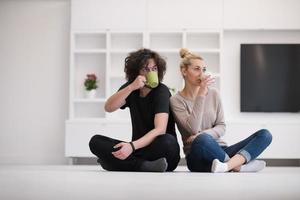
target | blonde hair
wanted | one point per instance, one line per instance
(186, 57)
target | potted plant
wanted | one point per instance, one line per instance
(90, 84)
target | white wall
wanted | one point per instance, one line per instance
(231, 67)
(34, 61)
(285, 127)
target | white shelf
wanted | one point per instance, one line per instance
(172, 78)
(126, 40)
(117, 61)
(90, 40)
(89, 100)
(168, 50)
(115, 83)
(202, 40)
(213, 51)
(87, 64)
(103, 53)
(124, 51)
(89, 110)
(165, 40)
(113, 76)
(87, 51)
(119, 115)
(88, 119)
(212, 62)
(98, 120)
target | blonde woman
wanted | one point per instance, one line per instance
(199, 116)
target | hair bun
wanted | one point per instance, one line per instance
(184, 52)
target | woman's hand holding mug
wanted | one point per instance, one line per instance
(205, 81)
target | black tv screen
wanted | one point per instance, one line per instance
(270, 77)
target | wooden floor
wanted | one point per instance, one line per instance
(91, 182)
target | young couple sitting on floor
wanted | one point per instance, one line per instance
(197, 111)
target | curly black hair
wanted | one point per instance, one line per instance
(136, 60)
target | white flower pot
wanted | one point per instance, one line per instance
(91, 94)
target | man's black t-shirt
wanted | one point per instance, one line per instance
(143, 110)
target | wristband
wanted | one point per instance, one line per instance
(132, 146)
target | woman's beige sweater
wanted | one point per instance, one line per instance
(202, 115)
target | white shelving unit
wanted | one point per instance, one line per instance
(103, 53)
(88, 55)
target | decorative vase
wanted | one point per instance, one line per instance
(91, 94)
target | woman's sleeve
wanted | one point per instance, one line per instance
(189, 121)
(219, 127)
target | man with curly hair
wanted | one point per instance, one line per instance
(154, 145)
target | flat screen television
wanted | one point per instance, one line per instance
(270, 77)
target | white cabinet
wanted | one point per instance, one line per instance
(190, 14)
(79, 133)
(103, 53)
(261, 14)
(112, 14)
(146, 14)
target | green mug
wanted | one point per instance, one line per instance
(152, 79)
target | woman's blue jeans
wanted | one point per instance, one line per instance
(205, 149)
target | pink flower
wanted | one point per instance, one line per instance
(91, 77)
